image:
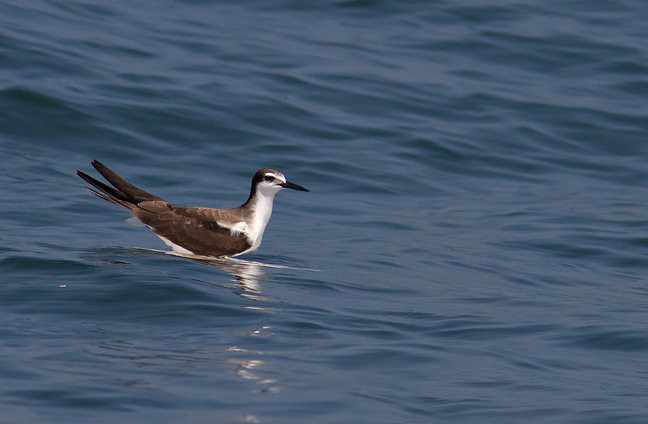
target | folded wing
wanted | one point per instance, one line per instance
(202, 231)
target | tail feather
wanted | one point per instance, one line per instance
(111, 199)
(109, 191)
(131, 192)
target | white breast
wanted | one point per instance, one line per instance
(256, 225)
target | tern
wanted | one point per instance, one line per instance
(194, 230)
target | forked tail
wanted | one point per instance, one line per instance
(122, 193)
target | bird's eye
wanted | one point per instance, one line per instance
(269, 178)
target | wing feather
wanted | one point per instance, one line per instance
(203, 231)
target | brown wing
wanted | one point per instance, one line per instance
(199, 230)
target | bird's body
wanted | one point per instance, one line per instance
(198, 231)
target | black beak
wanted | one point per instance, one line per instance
(288, 184)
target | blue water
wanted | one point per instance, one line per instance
(477, 215)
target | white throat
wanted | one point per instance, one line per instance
(261, 207)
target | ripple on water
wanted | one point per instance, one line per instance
(477, 211)
(595, 337)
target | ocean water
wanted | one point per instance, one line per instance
(474, 248)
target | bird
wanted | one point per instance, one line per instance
(196, 230)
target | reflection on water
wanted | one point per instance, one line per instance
(247, 277)
(246, 274)
(245, 369)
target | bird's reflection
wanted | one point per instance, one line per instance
(247, 363)
(246, 274)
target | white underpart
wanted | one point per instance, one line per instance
(261, 213)
(238, 228)
(178, 249)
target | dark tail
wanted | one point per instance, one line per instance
(123, 194)
(133, 193)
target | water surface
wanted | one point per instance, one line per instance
(477, 211)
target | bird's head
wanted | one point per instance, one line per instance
(268, 182)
